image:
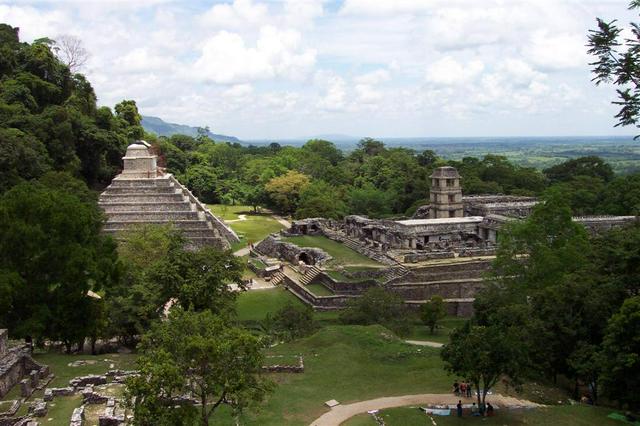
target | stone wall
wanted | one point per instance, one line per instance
(346, 287)
(446, 271)
(15, 365)
(317, 302)
(273, 246)
(453, 289)
(4, 341)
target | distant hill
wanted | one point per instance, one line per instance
(162, 128)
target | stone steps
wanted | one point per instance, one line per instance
(113, 226)
(311, 274)
(147, 189)
(141, 198)
(148, 216)
(126, 207)
(141, 182)
(277, 278)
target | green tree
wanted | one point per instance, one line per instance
(369, 201)
(378, 306)
(432, 312)
(21, 157)
(51, 254)
(285, 190)
(617, 61)
(198, 354)
(591, 166)
(293, 322)
(620, 374)
(484, 354)
(320, 199)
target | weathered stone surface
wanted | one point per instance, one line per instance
(61, 391)
(77, 417)
(38, 408)
(25, 388)
(273, 246)
(16, 364)
(4, 339)
(285, 368)
(91, 379)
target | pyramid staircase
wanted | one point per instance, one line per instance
(162, 200)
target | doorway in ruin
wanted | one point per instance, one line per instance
(305, 258)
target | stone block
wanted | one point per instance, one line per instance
(331, 403)
(4, 338)
(77, 418)
(91, 379)
(25, 388)
(39, 408)
(48, 394)
(34, 376)
(61, 391)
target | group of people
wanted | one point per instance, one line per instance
(475, 410)
(465, 389)
(462, 389)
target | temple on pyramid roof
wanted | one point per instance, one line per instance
(143, 194)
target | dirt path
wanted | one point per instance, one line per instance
(241, 252)
(424, 343)
(240, 218)
(282, 221)
(341, 413)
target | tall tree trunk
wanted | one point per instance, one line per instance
(205, 411)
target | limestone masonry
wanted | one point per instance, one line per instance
(445, 249)
(143, 194)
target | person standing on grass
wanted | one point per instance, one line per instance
(468, 390)
(459, 408)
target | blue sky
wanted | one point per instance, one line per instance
(383, 68)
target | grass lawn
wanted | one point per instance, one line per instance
(341, 254)
(319, 289)
(226, 212)
(579, 415)
(347, 363)
(255, 305)
(421, 332)
(254, 229)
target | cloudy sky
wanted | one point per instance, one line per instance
(295, 68)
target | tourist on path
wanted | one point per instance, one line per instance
(459, 408)
(463, 389)
(468, 385)
(456, 388)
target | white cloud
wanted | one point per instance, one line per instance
(237, 14)
(140, 60)
(334, 97)
(449, 71)
(445, 66)
(226, 58)
(374, 77)
(557, 51)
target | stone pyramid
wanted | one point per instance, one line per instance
(142, 194)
